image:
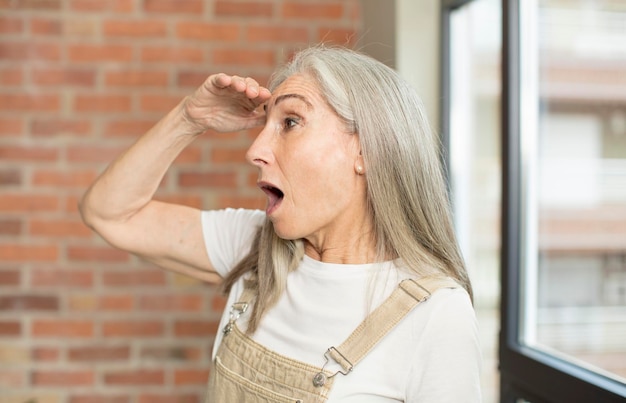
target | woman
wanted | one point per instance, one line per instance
(326, 286)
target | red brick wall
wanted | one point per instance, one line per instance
(79, 81)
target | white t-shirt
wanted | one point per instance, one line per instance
(431, 356)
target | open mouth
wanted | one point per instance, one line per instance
(274, 197)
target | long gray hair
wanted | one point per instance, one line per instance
(406, 190)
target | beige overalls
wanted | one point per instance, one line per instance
(245, 371)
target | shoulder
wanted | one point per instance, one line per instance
(448, 351)
(233, 216)
(447, 317)
(228, 235)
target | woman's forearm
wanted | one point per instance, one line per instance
(130, 181)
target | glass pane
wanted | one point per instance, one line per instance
(575, 220)
(474, 121)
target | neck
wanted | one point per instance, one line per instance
(358, 248)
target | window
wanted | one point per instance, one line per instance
(564, 210)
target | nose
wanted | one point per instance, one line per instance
(260, 152)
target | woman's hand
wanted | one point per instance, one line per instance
(226, 103)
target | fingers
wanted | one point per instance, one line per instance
(246, 85)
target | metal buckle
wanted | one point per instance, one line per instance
(405, 289)
(320, 378)
(236, 311)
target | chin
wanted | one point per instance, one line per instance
(286, 232)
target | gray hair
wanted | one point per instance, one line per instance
(406, 189)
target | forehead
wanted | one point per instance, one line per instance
(300, 87)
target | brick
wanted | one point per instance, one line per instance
(10, 278)
(151, 277)
(171, 398)
(116, 303)
(10, 177)
(223, 155)
(135, 378)
(82, 303)
(25, 51)
(64, 76)
(25, 153)
(59, 228)
(98, 353)
(101, 103)
(253, 177)
(173, 353)
(121, 6)
(11, 76)
(10, 328)
(244, 57)
(70, 204)
(191, 78)
(100, 398)
(190, 155)
(179, 54)
(271, 33)
(207, 31)
(11, 226)
(11, 25)
(207, 179)
(195, 7)
(161, 302)
(100, 53)
(14, 354)
(62, 328)
(60, 127)
(37, 4)
(181, 280)
(33, 395)
(218, 303)
(312, 11)
(191, 376)
(11, 126)
(96, 254)
(30, 102)
(81, 28)
(63, 378)
(133, 128)
(137, 78)
(249, 202)
(159, 103)
(224, 8)
(139, 28)
(29, 303)
(60, 179)
(93, 154)
(28, 253)
(12, 379)
(195, 328)
(136, 328)
(28, 202)
(58, 277)
(45, 354)
(46, 26)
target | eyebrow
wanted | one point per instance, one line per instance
(287, 96)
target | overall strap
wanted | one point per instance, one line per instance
(402, 300)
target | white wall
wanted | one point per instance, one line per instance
(418, 50)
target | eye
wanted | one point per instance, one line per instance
(290, 123)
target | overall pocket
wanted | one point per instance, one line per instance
(227, 386)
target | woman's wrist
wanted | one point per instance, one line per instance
(184, 124)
